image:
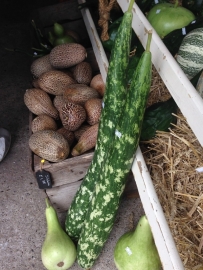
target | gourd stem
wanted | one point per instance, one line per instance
(149, 41)
(176, 4)
(130, 5)
(47, 202)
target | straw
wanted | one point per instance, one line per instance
(172, 158)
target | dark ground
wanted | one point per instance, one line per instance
(22, 221)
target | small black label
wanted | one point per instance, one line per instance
(43, 179)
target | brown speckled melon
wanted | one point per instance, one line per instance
(67, 134)
(39, 102)
(55, 82)
(83, 73)
(79, 93)
(41, 65)
(43, 122)
(58, 102)
(72, 115)
(98, 84)
(87, 141)
(49, 145)
(67, 55)
(35, 83)
(81, 130)
(93, 109)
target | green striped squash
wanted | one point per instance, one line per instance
(190, 54)
(114, 101)
(109, 187)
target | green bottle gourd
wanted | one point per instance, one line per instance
(136, 250)
(58, 250)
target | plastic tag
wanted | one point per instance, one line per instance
(44, 179)
(200, 169)
(2, 147)
(128, 250)
(102, 104)
(118, 134)
(183, 31)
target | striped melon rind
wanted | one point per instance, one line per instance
(190, 54)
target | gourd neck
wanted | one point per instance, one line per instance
(130, 7)
(149, 39)
(176, 4)
(143, 231)
(51, 217)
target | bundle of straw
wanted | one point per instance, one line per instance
(158, 91)
(174, 160)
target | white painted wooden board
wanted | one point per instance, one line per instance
(161, 232)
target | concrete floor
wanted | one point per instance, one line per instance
(22, 204)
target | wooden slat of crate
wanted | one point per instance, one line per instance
(67, 14)
(68, 174)
(68, 171)
(62, 196)
(47, 16)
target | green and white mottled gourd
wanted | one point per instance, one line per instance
(190, 54)
(114, 100)
(105, 202)
(199, 86)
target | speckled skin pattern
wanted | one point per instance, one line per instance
(110, 184)
(55, 82)
(42, 122)
(93, 109)
(98, 84)
(50, 145)
(114, 100)
(79, 93)
(40, 65)
(72, 115)
(83, 73)
(39, 102)
(67, 55)
(87, 140)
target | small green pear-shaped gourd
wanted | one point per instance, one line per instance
(58, 250)
(60, 36)
(136, 250)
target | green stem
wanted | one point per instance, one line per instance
(36, 31)
(45, 47)
(131, 5)
(149, 41)
(176, 4)
(18, 50)
(38, 50)
(47, 202)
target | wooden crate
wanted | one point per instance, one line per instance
(191, 106)
(67, 14)
(68, 174)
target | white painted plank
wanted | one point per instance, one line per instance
(162, 235)
(96, 42)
